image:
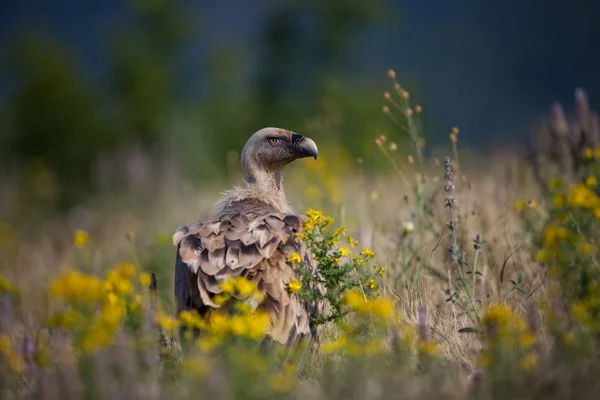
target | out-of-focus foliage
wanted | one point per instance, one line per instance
(60, 121)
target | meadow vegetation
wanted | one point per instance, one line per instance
(449, 275)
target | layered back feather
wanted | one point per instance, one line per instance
(253, 238)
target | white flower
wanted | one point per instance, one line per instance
(408, 227)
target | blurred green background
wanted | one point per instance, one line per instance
(90, 91)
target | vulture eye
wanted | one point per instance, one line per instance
(273, 140)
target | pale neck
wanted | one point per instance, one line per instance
(266, 181)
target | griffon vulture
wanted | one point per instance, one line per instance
(252, 235)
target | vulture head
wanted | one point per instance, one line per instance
(269, 150)
(264, 155)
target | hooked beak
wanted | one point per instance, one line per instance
(304, 147)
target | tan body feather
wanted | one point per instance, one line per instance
(250, 238)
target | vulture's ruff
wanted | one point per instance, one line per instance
(252, 235)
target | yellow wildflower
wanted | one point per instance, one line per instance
(126, 269)
(428, 348)
(381, 308)
(597, 213)
(367, 253)
(352, 242)
(339, 232)
(219, 324)
(591, 181)
(586, 248)
(542, 255)
(95, 340)
(145, 279)
(532, 204)
(344, 251)
(527, 340)
(238, 325)
(257, 325)
(519, 205)
(498, 314)
(554, 235)
(355, 300)
(371, 284)
(80, 238)
(220, 299)
(582, 196)
(559, 200)
(136, 304)
(336, 345)
(228, 286)
(380, 270)
(588, 154)
(528, 362)
(294, 286)
(15, 362)
(359, 262)
(167, 323)
(77, 287)
(295, 257)
(244, 287)
(112, 315)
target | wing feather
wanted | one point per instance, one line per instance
(253, 242)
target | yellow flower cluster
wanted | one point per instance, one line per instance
(316, 219)
(591, 154)
(238, 320)
(294, 286)
(80, 238)
(113, 297)
(11, 354)
(355, 345)
(507, 330)
(75, 286)
(582, 196)
(380, 308)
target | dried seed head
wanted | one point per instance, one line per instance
(452, 225)
(405, 95)
(391, 74)
(418, 109)
(455, 130)
(410, 159)
(387, 95)
(453, 138)
(450, 202)
(385, 109)
(408, 112)
(393, 146)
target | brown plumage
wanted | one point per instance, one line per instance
(251, 235)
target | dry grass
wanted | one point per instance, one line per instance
(379, 211)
